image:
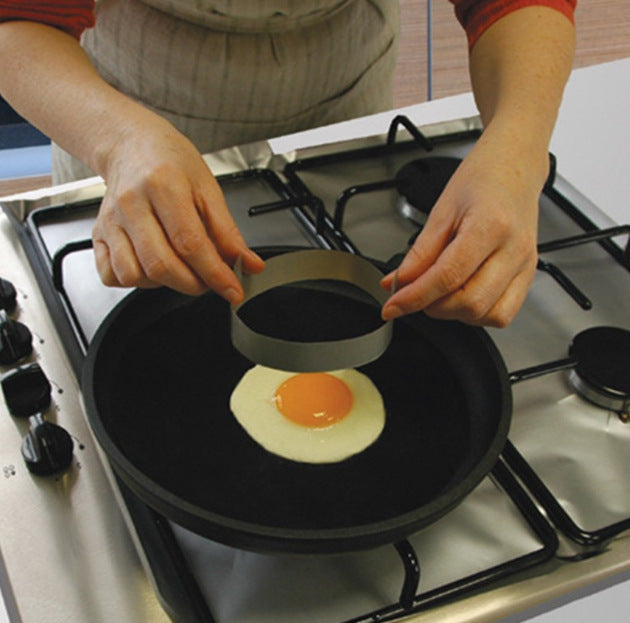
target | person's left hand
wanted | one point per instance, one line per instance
(475, 259)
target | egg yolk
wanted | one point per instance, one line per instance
(314, 399)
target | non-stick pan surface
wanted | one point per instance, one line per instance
(157, 384)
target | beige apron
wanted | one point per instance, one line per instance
(229, 72)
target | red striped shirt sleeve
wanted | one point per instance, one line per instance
(476, 16)
(71, 16)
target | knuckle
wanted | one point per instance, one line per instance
(525, 247)
(451, 278)
(160, 174)
(477, 307)
(501, 314)
(499, 319)
(215, 273)
(107, 277)
(105, 219)
(125, 280)
(188, 243)
(128, 276)
(124, 270)
(126, 203)
(501, 224)
(417, 253)
(103, 264)
(154, 268)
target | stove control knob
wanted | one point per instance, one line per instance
(47, 448)
(26, 390)
(16, 341)
(8, 295)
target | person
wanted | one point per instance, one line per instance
(159, 81)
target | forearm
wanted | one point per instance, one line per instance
(519, 68)
(49, 80)
(475, 258)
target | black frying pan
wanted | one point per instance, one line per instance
(157, 383)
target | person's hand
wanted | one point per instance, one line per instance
(164, 221)
(475, 259)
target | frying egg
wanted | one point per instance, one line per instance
(315, 417)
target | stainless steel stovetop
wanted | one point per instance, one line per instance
(563, 451)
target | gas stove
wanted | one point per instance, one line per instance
(555, 502)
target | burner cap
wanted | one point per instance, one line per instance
(602, 372)
(422, 181)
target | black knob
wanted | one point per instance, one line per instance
(8, 295)
(47, 448)
(16, 341)
(26, 390)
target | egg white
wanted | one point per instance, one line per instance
(253, 405)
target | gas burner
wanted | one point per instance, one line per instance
(602, 374)
(421, 182)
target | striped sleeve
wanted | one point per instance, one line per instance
(71, 16)
(476, 16)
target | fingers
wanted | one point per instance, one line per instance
(164, 220)
(491, 296)
(221, 228)
(430, 243)
(161, 237)
(475, 259)
(476, 267)
(188, 238)
(135, 252)
(127, 272)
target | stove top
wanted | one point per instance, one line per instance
(558, 492)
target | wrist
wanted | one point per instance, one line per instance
(124, 123)
(521, 144)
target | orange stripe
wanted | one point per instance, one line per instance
(71, 16)
(476, 16)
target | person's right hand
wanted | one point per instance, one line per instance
(164, 221)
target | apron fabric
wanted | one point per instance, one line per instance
(231, 72)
